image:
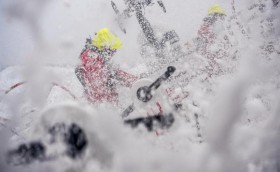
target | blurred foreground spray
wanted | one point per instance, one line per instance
(228, 146)
(30, 13)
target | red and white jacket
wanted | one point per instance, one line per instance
(100, 79)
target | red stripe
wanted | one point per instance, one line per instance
(15, 86)
(54, 84)
(65, 89)
(159, 107)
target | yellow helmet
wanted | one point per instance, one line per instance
(104, 38)
(216, 9)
